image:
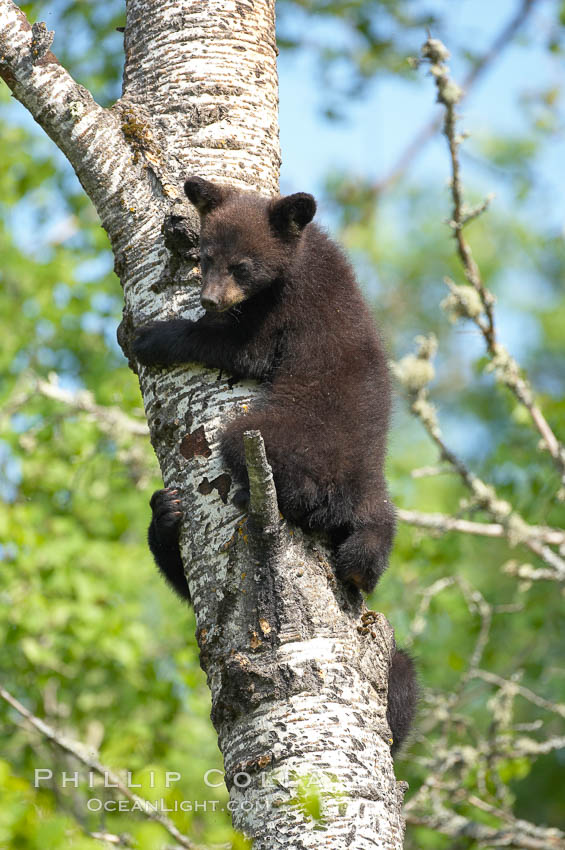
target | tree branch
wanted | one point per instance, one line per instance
(455, 756)
(263, 506)
(80, 752)
(519, 834)
(514, 687)
(505, 367)
(111, 838)
(88, 135)
(112, 420)
(431, 127)
(415, 372)
(443, 523)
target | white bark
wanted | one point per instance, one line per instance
(298, 679)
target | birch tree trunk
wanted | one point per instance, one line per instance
(297, 667)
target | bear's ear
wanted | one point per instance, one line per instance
(288, 216)
(204, 195)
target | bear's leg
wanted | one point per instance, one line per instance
(297, 493)
(163, 537)
(363, 556)
(402, 697)
(233, 452)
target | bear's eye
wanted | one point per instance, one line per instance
(206, 259)
(241, 270)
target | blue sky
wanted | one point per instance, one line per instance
(378, 127)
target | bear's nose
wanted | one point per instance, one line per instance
(210, 302)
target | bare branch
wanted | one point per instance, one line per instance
(474, 212)
(431, 127)
(448, 762)
(528, 573)
(111, 419)
(505, 367)
(522, 746)
(112, 839)
(518, 834)
(443, 523)
(415, 372)
(90, 136)
(514, 687)
(86, 757)
(430, 471)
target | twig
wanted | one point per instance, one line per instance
(415, 372)
(111, 419)
(451, 763)
(431, 127)
(514, 687)
(449, 95)
(518, 834)
(505, 367)
(527, 572)
(430, 471)
(419, 620)
(443, 523)
(111, 838)
(79, 752)
(523, 746)
(476, 603)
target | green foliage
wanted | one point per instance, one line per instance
(29, 819)
(92, 640)
(309, 799)
(240, 842)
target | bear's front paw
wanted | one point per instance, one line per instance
(150, 344)
(167, 513)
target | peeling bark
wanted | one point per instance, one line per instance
(298, 683)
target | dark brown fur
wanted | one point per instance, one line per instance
(283, 307)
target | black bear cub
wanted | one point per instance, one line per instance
(283, 307)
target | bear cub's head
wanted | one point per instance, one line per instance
(247, 242)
